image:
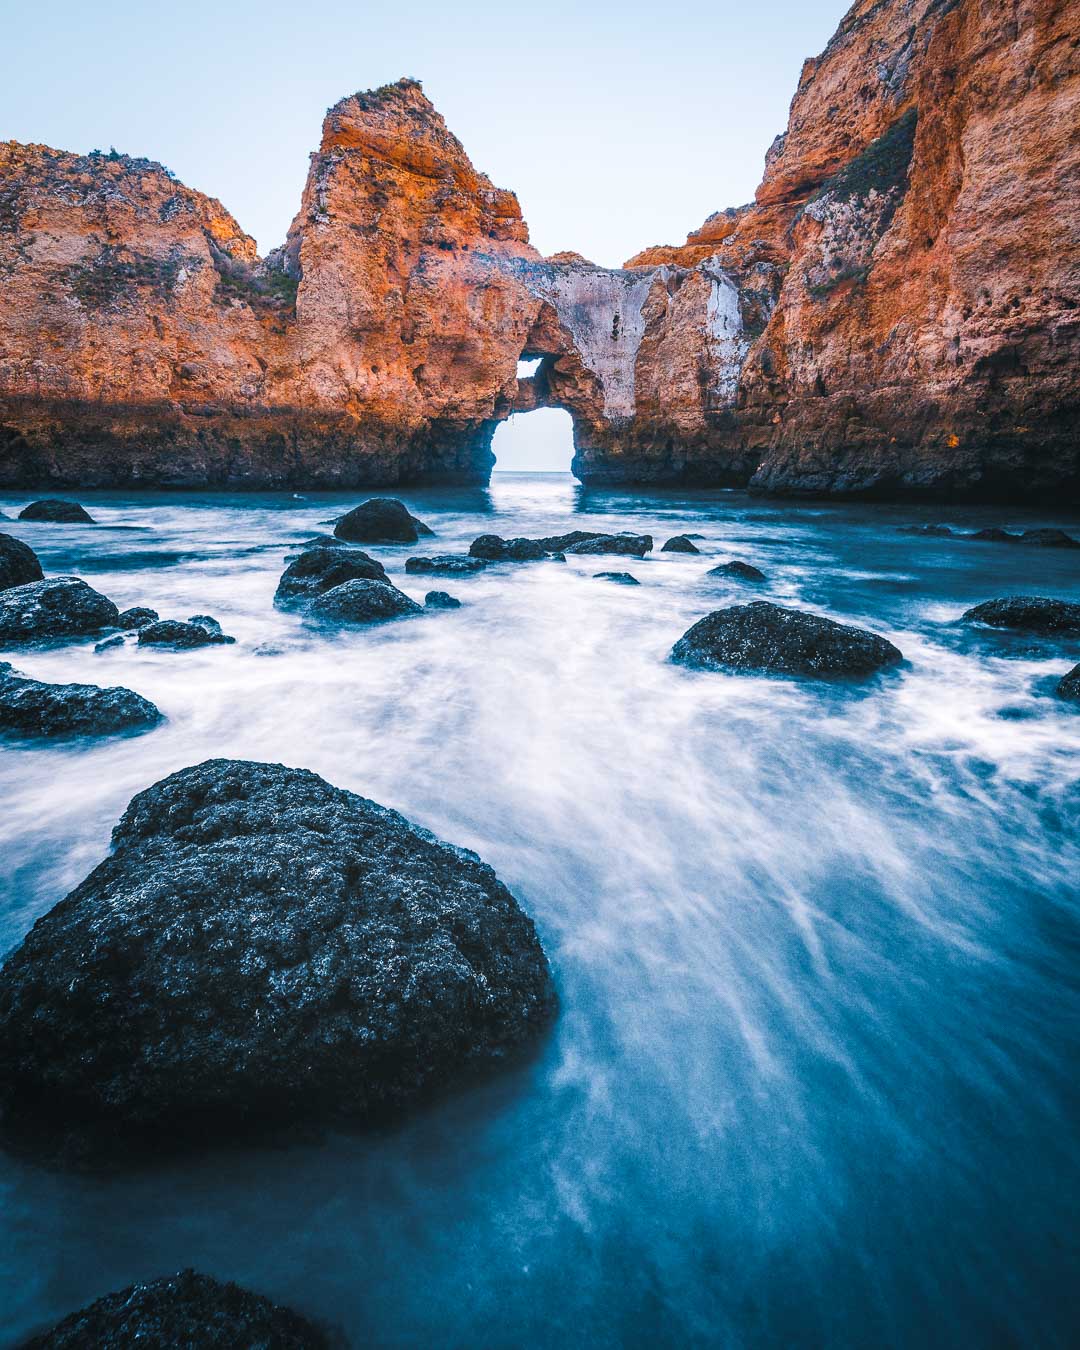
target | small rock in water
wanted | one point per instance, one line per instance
(632, 545)
(767, 637)
(183, 1310)
(57, 608)
(493, 548)
(440, 600)
(623, 578)
(741, 571)
(680, 543)
(174, 633)
(1069, 685)
(57, 511)
(381, 520)
(1028, 614)
(138, 617)
(33, 708)
(111, 643)
(363, 601)
(994, 535)
(1049, 539)
(321, 569)
(19, 563)
(260, 949)
(445, 564)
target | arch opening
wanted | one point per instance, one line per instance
(540, 441)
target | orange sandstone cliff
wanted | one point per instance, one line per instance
(894, 315)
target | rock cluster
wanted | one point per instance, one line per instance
(260, 948)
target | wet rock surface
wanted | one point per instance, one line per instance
(560, 543)
(33, 708)
(381, 520)
(631, 545)
(1068, 686)
(260, 949)
(446, 565)
(179, 635)
(1028, 614)
(738, 571)
(441, 600)
(493, 548)
(766, 637)
(61, 607)
(622, 578)
(137, 617)
(184, 1310)
(680, 543)
(19, 563)
(1043, 538)
(363, 602)
(321, 569)
(57, 511)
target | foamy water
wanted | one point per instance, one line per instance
(814, 1080)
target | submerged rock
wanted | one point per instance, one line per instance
(363, 601)
(767, 637)
(180, 635)
(680, 543)
(381, 520)
(1028, 614)
(33, 708)
(493, 548)
(440, 600)
(633, 545)
(183, 1310)
(138, 617)
(445, 564)
(1069, 685)
(321, 569)
(994, 536)
(57, 511)
(740, 571)
(1043, 538)
(19, 563)
(623, 578)
(206, 621)
(57, 608)
(933, 530)
(260, 949)
(110, 643)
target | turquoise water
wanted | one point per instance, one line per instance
(814, 1081)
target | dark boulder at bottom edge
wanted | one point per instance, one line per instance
(186, 1311)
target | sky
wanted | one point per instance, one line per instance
(618, 125)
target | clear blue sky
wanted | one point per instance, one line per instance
(618, 125)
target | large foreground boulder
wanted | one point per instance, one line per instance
(33, 708)
(766, 637)
(321, 569)
(445, 565)
(1026, 614)
(1068, 686)
(18, 563)
(187, 1311)
(629, 545)
(57, 512)
(363, 602)
(61, 607)
(200, 631)
(381, 520)
(493, 548)
(260, 949)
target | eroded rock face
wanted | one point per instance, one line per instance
(32, 708)
(1028, 614)
(893, 316)
(260, 948)
(18, 563)
(187, 1309)
(61, 607)
(767, 637)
